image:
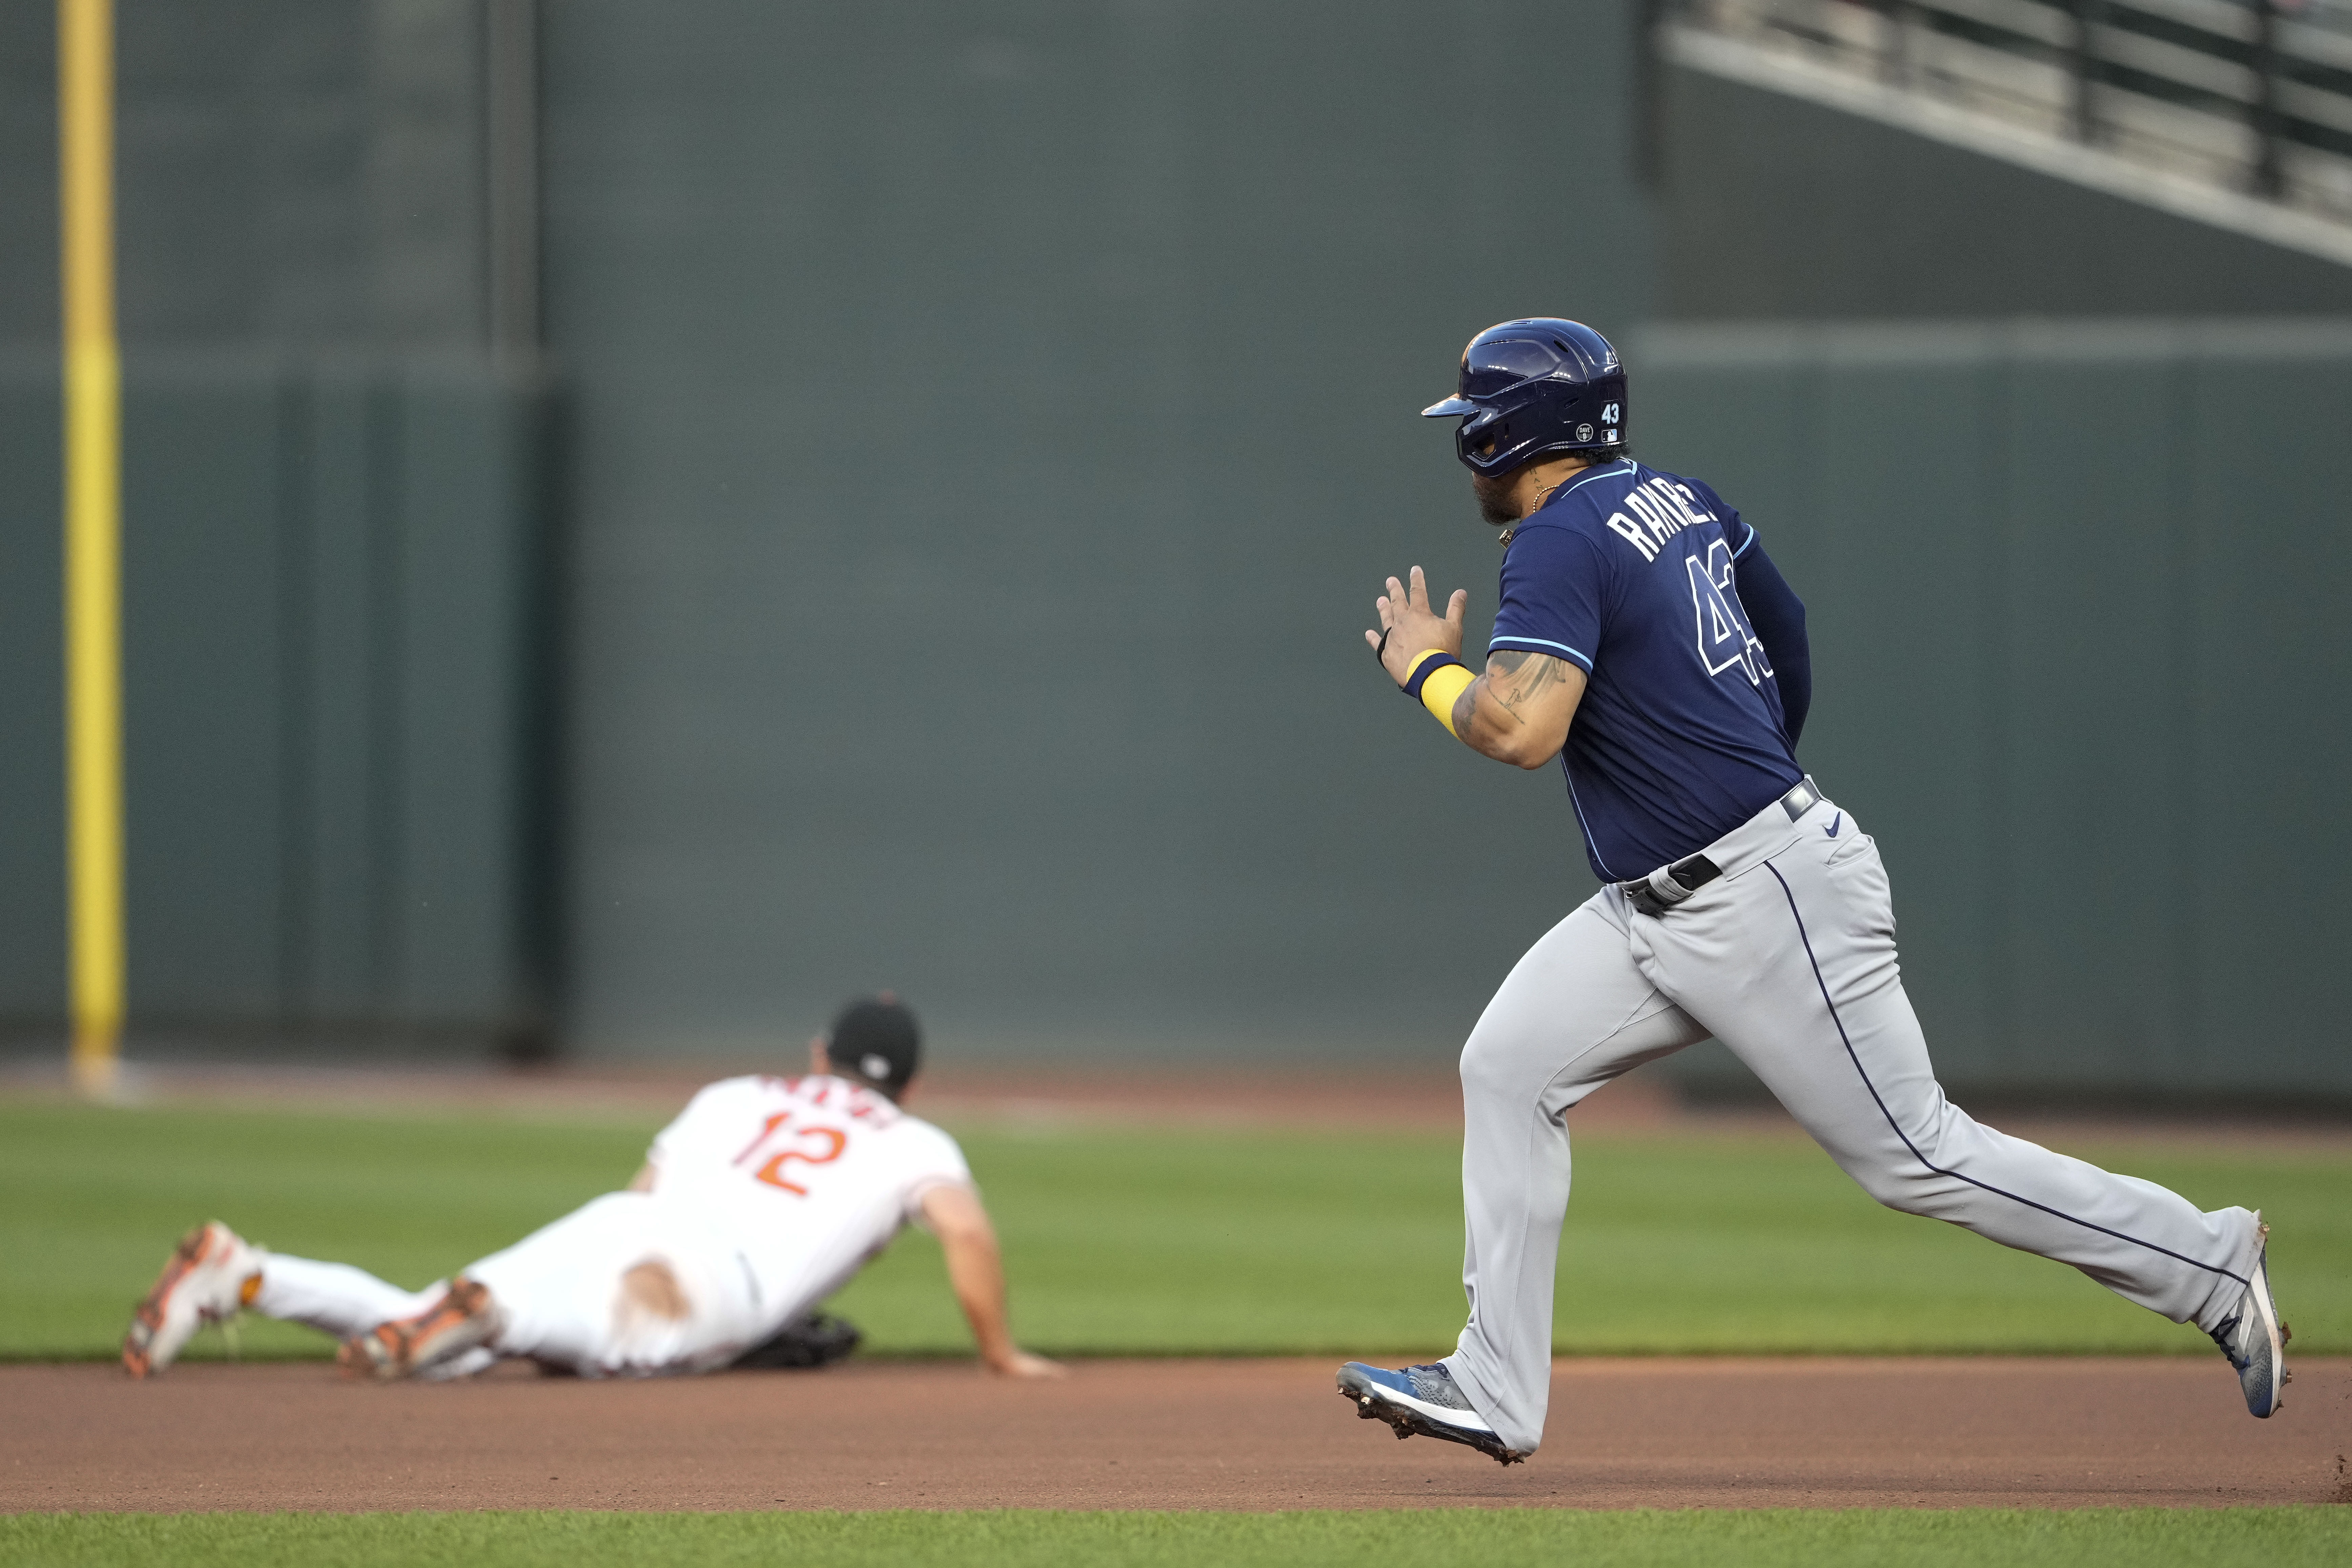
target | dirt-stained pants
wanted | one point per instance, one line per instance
(560, 1293)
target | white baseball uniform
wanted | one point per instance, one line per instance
(770, 1194)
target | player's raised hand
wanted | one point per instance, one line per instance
(1409, 627)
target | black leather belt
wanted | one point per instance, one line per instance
(1665, 888)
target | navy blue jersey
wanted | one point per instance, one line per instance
(1680, 736)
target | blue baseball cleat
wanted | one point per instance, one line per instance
(2254, 1340)
(1423, 1399)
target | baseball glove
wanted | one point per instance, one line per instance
(818, 1340)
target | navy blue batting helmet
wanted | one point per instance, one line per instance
(1534, 386)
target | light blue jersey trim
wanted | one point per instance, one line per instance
(1747, 541)
(1543, 644)
(1628, 464)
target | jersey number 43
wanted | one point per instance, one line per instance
(1724, 637)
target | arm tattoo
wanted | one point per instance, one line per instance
(1517, 677)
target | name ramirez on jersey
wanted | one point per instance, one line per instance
(1680, 736)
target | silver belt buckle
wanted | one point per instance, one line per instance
(1801, 798)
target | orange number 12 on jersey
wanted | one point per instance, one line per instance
(772, 1172)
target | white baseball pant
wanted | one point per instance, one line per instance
(1788, 959)
(560, 1293)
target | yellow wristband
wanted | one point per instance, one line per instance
(1417, 660)
(1443, 687)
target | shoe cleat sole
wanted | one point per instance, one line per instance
(362, 1357)
(412, 1347)
(154, 1318)
(2266, 1307)
(1408, 1422)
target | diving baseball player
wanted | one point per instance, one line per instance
(1644, 639)
(761, 1200)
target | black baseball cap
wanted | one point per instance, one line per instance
(877, 1038)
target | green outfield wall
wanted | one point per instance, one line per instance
(2075, 593)
(993, 423)
(985, 428)
(333, 603)
(287, 173)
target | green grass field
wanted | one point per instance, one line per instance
(1137, 1241)
(1142, 1241)
(2256, 1538)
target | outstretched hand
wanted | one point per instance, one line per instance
(1411, 627)
(1022, 1363)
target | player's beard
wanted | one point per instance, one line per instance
(1495, 502)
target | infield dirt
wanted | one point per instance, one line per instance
(1249, 1434)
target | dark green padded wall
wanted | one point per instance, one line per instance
(330, 575)
(32, 720)
(2070, 592)
(995, 423)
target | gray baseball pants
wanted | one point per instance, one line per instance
(1788, 959)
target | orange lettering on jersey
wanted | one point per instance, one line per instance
(772, 1172)
(778, 1120)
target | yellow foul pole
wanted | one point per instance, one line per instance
(93, 586)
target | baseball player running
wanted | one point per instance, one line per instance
(1644, 638)
(760, 1201)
